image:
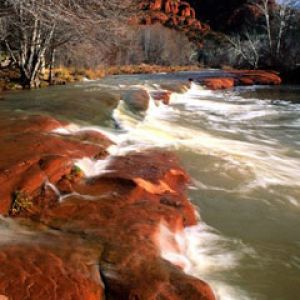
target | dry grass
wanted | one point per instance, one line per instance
(64, 75)
(72, 74)
(147, 69)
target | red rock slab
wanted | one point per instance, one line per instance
(125, 215)
(14, 124)
(219, 83)
(33, 155)
(257, 77)
(152, 166)
(241, 78)
(244, 81)
(21, 156)
(35, 272)
(122, 211)
(159, 280)
(131, 265)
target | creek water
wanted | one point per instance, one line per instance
(242, 150)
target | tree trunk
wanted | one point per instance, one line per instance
(52, 64)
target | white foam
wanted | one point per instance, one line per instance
(161, 129)
(204, 253)
(91, 167)
(53, 188)
(73, 129)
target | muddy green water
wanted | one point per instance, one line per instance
(242, 149)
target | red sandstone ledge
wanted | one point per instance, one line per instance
(240, 78)
(105, 243)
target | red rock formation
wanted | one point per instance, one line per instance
(257, 77)
(121, 212)
(32, 155)
(156, 5)
(141, 192)
(175, 14)
(221, 83)
(38, 272)
(240, 78)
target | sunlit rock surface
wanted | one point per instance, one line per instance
(239, 78)
(178, 15)
(118, 213)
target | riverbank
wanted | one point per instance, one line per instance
(9, 79)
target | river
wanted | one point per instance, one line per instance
(242, 150)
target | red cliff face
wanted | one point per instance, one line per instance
(174, 14)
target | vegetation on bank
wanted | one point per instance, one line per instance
(268, 38)
(36, 37)
(10, 78)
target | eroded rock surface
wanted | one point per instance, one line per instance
(39, 265)
(32, 154)
(122, 212)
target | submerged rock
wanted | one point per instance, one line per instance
(137, 99)
(176, 87)
(163, 96)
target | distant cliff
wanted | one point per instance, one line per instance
(179, 15)
(197, 17)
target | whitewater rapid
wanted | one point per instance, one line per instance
(235, 151)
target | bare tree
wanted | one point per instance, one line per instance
(277, 22)
(284, 19)
(246, 48)
(264, 7)
(35, 27)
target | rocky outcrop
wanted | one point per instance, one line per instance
(122, 214)
(31, 154)
(239, 78)
(176, 14)
(40, 270)
(257, 77)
